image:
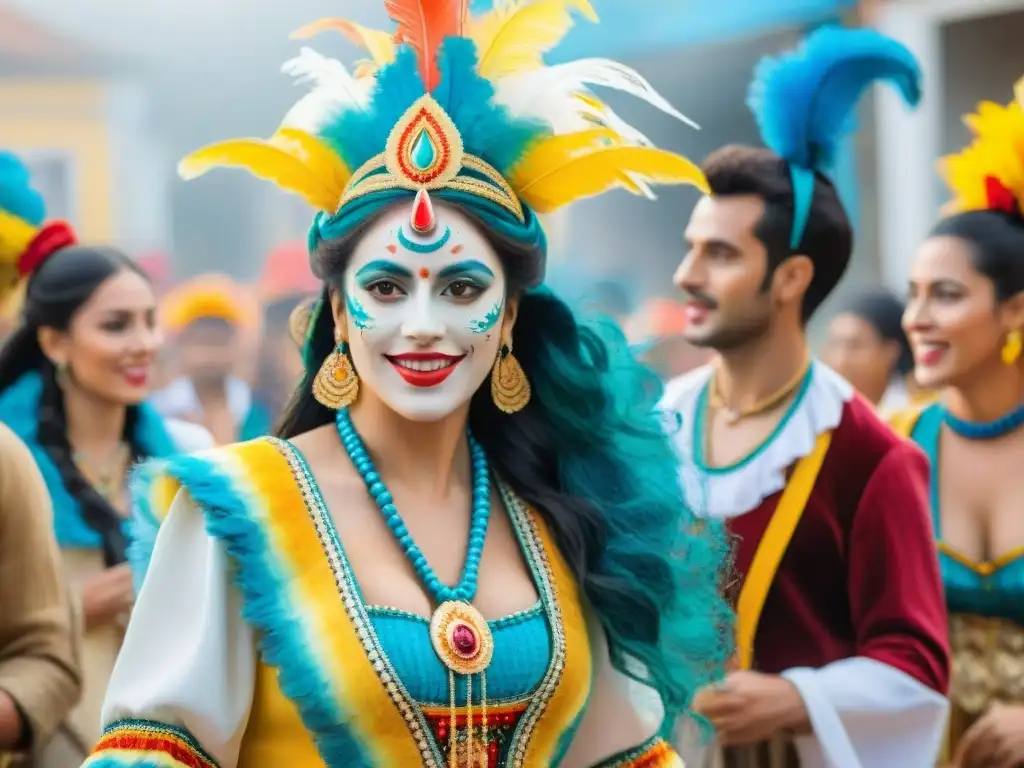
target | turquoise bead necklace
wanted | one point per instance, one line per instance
(465, 590)
(460, 636)
(985, 430)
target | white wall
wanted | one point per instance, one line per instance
(969, 50)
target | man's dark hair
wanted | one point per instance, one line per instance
(827, 240)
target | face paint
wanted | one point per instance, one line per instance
(424, 247)
(361, 319)
(488, 321)
(416, 314)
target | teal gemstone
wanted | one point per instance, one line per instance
(423, 153)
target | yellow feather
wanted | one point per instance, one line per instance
(267, 161)
(1018, 92)
(379, 44)
(556, 150)
(997, 151)
(597, 172)
(317, 156)
(514, 36)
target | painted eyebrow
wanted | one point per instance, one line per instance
(384, 267)
(464, 267)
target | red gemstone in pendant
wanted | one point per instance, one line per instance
(464, 640)
(423, 219)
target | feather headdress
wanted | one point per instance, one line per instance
(456, 105)
(989, 173)
(25, 240)
(804, 100)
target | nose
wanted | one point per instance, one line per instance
(423, 325)
(915, 316)
(147, 341)
(688, 274)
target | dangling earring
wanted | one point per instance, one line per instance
(61, 376)
(510, 389)
(1012, 347)
(336, 384)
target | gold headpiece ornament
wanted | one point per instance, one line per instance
(490, 119)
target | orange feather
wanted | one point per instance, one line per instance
(423, 25)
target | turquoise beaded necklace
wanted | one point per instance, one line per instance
(461, 637)
(465, 590)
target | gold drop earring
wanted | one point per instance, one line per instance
(336, 384)
(510, 389)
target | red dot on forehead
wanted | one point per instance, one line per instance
(424, 273)
(456, 248)
(392, 248)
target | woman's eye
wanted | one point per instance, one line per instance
(462, 289)
(115, 326)
(385, 289)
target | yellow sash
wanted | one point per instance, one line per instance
(773, 546)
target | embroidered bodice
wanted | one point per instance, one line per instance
(337, 682)
(992, 589)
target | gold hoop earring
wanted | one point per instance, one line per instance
(510, 389)
(1012, 348)
(336, 384)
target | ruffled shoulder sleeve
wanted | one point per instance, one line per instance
(181, 691)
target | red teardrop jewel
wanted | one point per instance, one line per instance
(423, 219)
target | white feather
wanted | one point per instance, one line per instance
(333, 89)
(543, 93)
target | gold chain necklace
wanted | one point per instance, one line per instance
(107, 478)
(732, 415)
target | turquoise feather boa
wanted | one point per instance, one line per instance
(19, 410)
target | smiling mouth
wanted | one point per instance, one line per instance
(424, 369)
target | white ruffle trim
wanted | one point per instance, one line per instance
(722, 495)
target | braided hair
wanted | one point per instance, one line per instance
(54, 294)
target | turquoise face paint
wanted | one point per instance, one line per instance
(469, 268)
(488, 321)
(361, 319)
(380, 269)
(415, 247)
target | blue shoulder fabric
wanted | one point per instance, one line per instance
(804, 100)
(19, 410)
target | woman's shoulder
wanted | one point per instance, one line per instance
(15, 456)
(188, 436)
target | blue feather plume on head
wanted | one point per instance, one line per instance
(17, 197)
(804, 100)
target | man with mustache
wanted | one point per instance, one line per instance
(841, 649)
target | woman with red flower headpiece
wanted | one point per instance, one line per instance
(965, 320)
(74, 375)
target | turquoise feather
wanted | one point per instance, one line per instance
(17, 197)
(803, 100)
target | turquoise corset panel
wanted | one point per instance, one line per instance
(522, 649)
(994, 589)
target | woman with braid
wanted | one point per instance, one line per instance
(73, 376)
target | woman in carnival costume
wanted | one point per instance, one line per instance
(469, 545)
(965, 320)
(73, 376)
(213, 321)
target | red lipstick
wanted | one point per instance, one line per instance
(424, 369)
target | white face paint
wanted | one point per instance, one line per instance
(424, 312)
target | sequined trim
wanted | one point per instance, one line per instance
(656, 753)
(529, 539)
(139, 737)
(345, 582)
(359, 614)
(511, 620)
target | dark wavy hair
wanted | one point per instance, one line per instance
(590, 454)
(54, 294)
(997, 244)
(828, 238)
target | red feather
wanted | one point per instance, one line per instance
(424, 24)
